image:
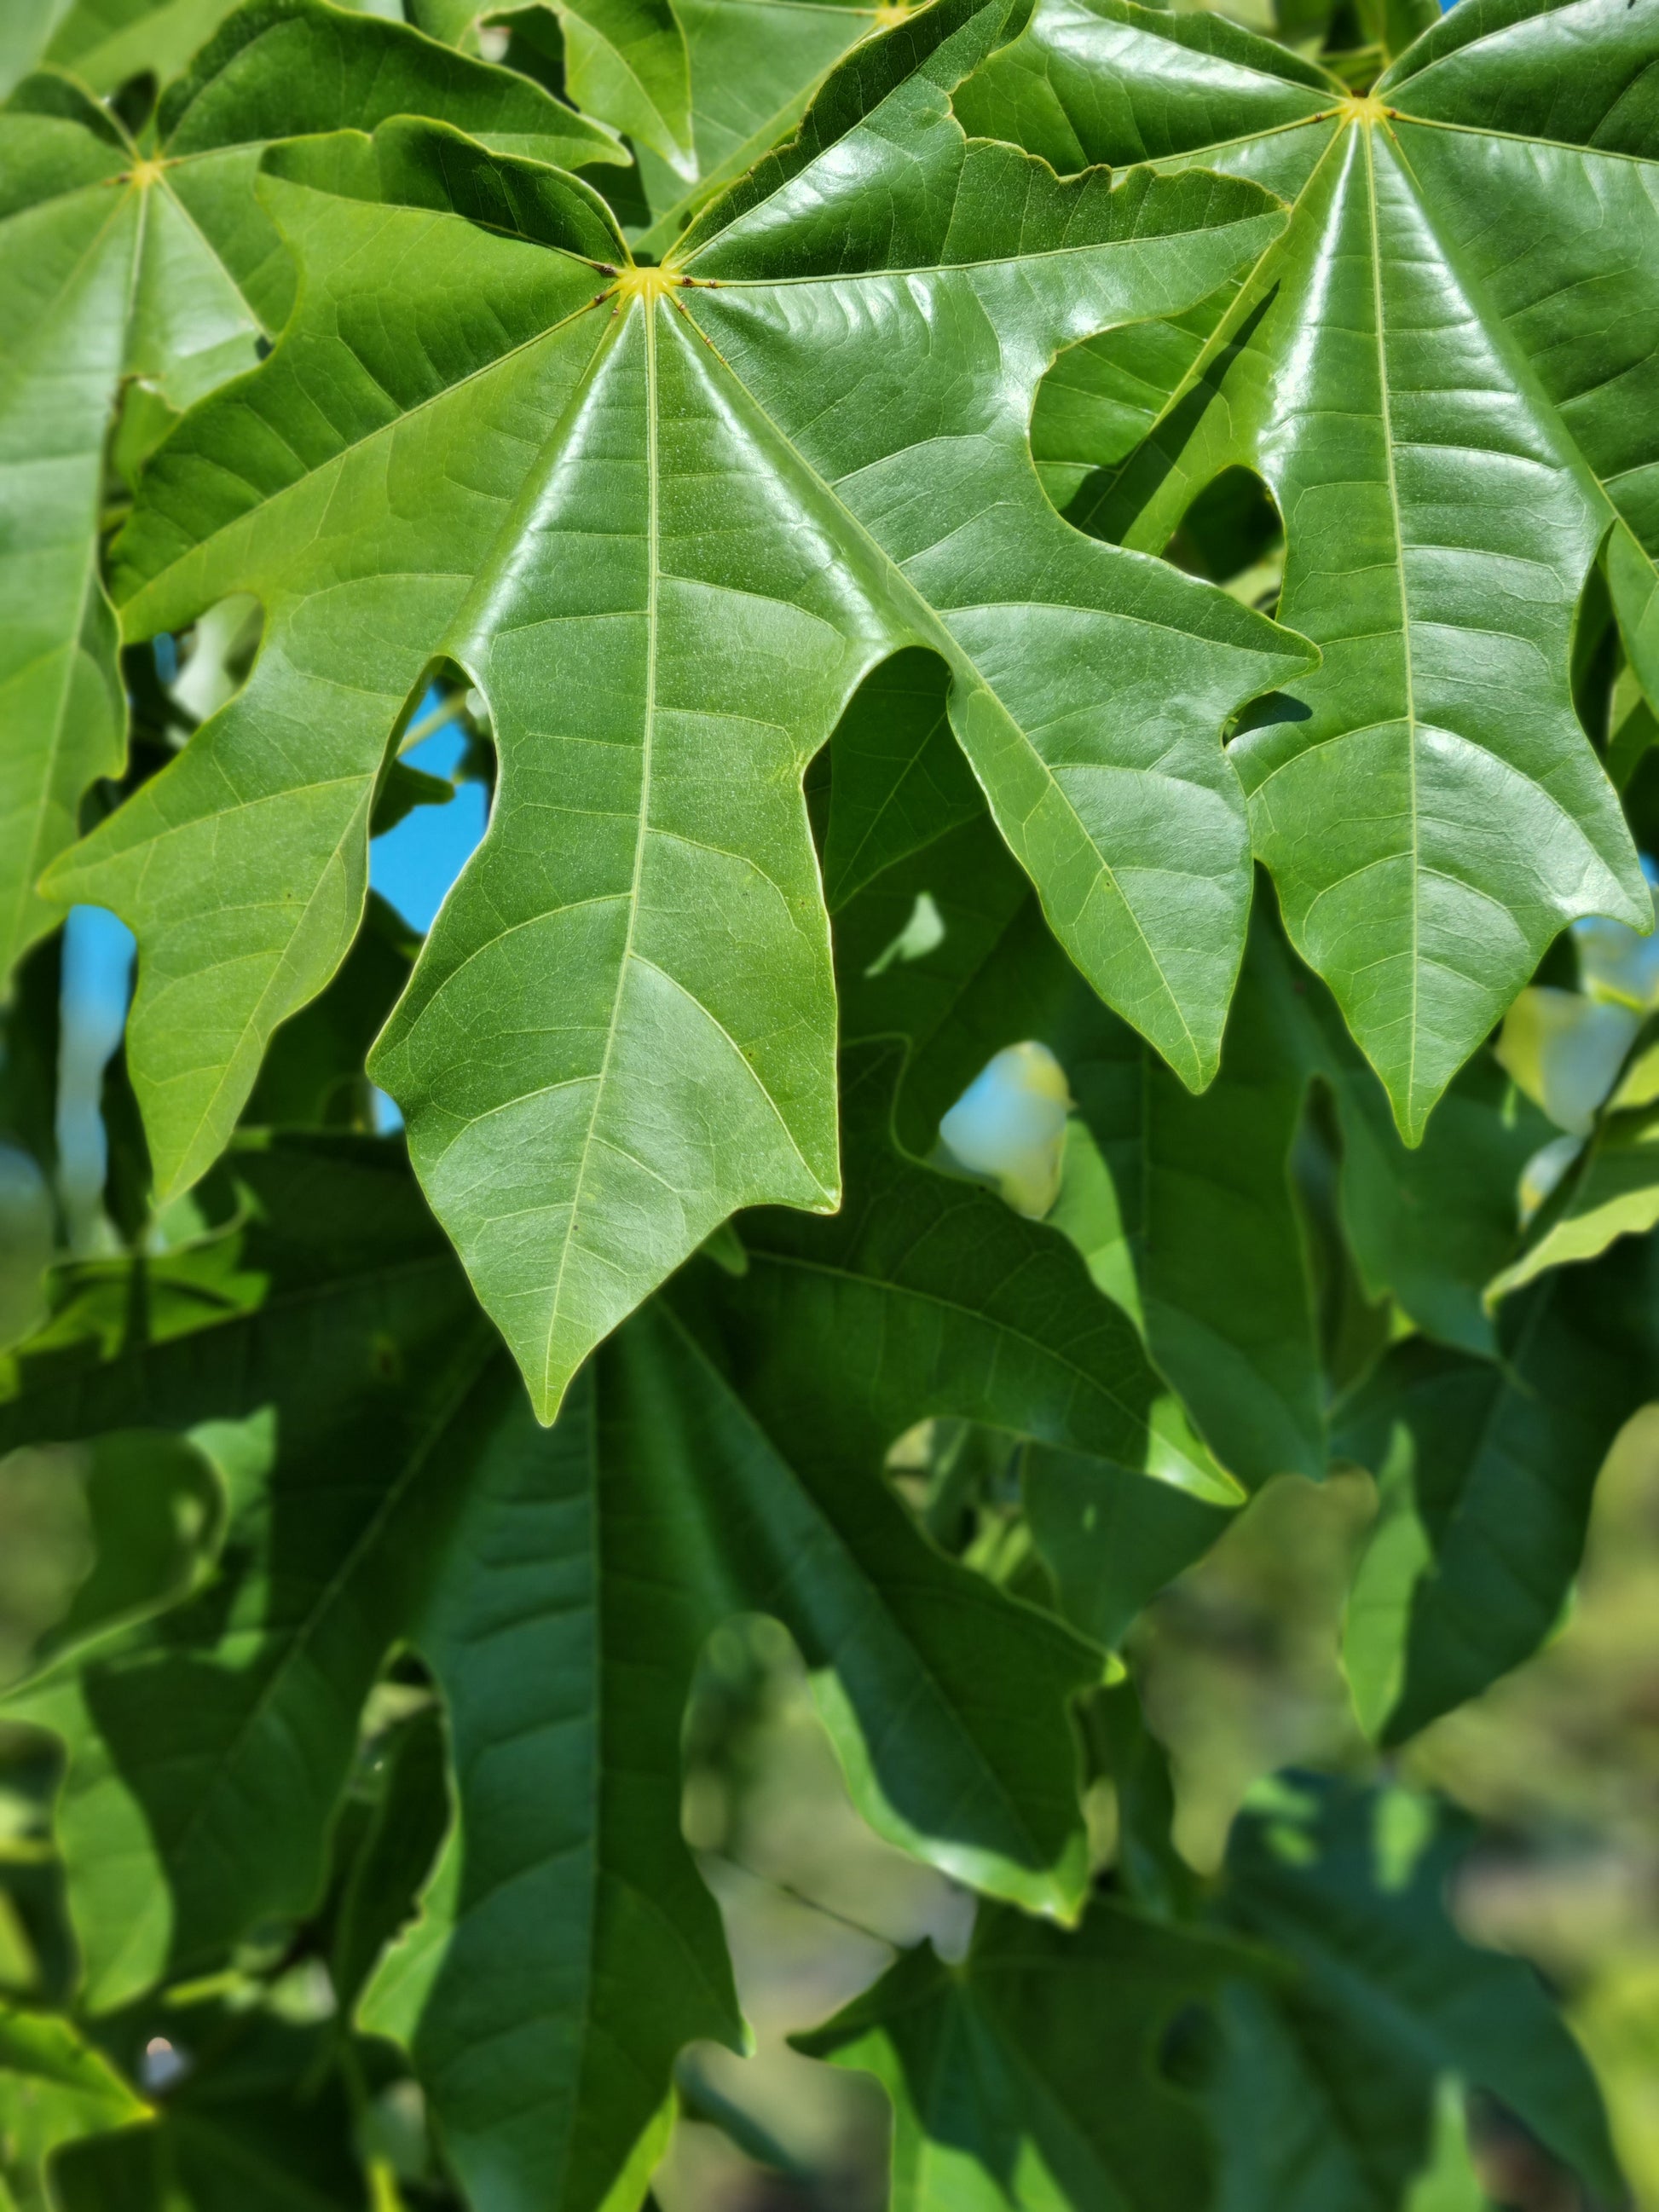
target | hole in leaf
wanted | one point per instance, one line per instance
(1103, 396)
(434, 802)
(214, 659)
(892, 778)
(1232, 535)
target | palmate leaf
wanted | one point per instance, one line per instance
(1487, 1472)
(159, 265)
(667, 520)
(754, 66)
(720, 1454)
(1325, 2100)
(104, 43)
(1424, 370)
(1027, 2075)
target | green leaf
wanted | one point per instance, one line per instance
(389, 1851)
(258, 2118)
(161, 268)
(900, 778)
(1351, 1885)
(723, 80)
(105, 43)
(1183, 1207)
(1614, 1192)
(625, 61)
(1311, 2114)
(562, 1585)
(1487, 1474)
(1446, 421)
(313, 1076)
(569, 1935)
(334, 1313)
(1427, 1225)
(1027, 2075)
(54, 2086)
(1111, 1540)
(121, 1528)
(637, 955)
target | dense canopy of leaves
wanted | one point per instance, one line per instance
(1057, 608)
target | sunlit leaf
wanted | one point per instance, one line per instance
(622, 1027)
(157, 264)
(1423, 371)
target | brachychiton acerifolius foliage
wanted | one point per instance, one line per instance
(1047, 616)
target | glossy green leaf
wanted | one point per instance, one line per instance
(1487, 1472)
(1449, 426)
(662, 1506)
(106, 42)
(313, 1076)
(622, 1027)
(1351, 1886)
(160, 267)
(54, 2086)
(624, 61)
(1027, 2075)
(900, 778)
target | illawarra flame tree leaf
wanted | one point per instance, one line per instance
(158, 266)
(814, 465)
(666, 520)
(389, 1482)
(1423, 369)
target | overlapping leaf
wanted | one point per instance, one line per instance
(104, 43)
(1326, 2095)
(623, 60)
(1187, 1207)
(389, 1481)
(118, 264)
(1028, 2075)
(667, 521)
(704, 88)
(1487, 1472)
(256, 2116)
(1424, 370)
(1183, 1206)
(1611, 1192)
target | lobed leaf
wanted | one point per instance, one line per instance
(159, 266)
(995, 2068)
(667, 520)
(722, 1454)
(1450, 424)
